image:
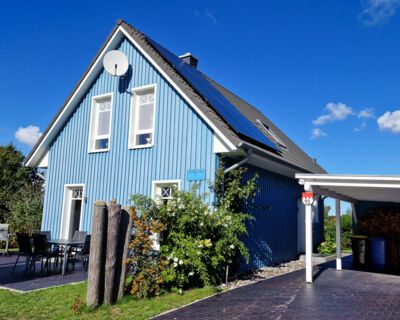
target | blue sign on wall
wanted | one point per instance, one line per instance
(196, 174)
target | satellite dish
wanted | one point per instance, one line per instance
(115, 63)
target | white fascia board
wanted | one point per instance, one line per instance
(310, 176)
(69, 107)
(91, 74)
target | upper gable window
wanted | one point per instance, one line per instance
(100, 124)
(142, 117)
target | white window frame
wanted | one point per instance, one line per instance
(156, 184)
(133, 117)
(66, 209)
(94, 123)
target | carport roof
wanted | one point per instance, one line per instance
(353, 188)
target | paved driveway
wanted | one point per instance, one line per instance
(346, 294)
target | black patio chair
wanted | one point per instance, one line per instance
(79, 235)
(82, 254)
(46, 233)
(24, 248)
(42, 251)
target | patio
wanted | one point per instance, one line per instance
(345, 294)
(21, 281)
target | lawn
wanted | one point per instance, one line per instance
(56, 303)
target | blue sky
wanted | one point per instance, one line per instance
(324, 71)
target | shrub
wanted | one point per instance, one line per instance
(145, 266)
(198, 240)
(328, 246)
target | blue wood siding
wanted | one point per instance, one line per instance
(182, 141)
(273, 232)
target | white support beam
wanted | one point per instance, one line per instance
(338, 242)
(309, 239)
(333, 194)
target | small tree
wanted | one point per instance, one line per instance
(13, 175)
(25, 209)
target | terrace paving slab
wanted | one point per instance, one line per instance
(21, 281)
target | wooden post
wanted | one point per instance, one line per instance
(125, 239)
(111, 288)
(95, 290)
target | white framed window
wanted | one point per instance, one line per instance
(163, 190)
(142, 121)
(100, 125)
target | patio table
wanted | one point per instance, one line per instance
(67, 244)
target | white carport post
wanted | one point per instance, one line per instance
(338, 242)
(309, 237)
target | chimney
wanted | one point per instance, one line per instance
(189, 59)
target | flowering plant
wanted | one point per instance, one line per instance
(199, 239)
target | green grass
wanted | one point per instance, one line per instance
(55, 303)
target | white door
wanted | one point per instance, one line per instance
(73, 205)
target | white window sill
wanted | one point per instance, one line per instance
(141, 147)
(99, 150)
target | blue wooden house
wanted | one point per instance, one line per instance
(166, 124)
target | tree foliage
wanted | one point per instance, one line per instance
(328, 246)
(13, 175)
(21, 192)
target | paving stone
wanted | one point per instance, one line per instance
(346, 294)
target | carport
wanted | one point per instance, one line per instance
(349, 188)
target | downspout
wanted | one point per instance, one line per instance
(241, 162)
(232, 167)
(41, 176)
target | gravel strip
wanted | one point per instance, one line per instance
(264, 273)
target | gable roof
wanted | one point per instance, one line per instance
(205, 107)
(289, 150)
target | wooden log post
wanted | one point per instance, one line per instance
(95, 289)
(111, 288)
(123, 253)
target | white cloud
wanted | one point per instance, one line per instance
(366, 113)
(378, 11)
(28, 135)
(362, 127)
(336, 111)
(390, 121)
(208, 14)
(317, 133)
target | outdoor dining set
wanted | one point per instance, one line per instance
(53, 254)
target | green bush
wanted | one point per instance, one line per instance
(328, 246)
(198, 240)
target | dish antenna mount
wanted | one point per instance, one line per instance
(116, 63)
